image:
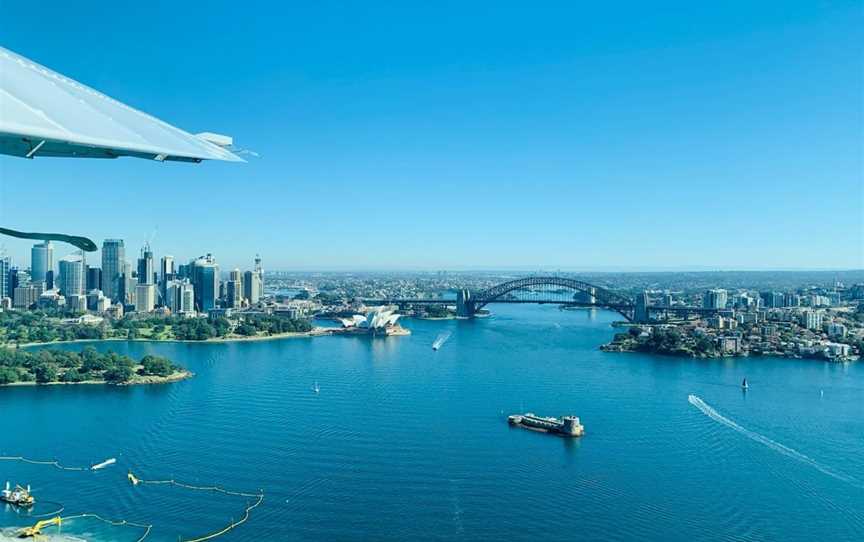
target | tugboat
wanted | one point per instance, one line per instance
(18, 496)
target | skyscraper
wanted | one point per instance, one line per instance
(71, 276)
(94, 279)
(5, 267)
(205, 280)
(252, 287)
(113, 256)
(145, 297)
(41, 261)
(715, 299)
(145, 265)
(180, 296)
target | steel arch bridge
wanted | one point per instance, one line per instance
(603, 297)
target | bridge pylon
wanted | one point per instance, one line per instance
(465, 305)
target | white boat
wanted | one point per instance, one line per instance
(315, 388)
(104, 464)
(440, 340)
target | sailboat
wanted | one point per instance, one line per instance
(744, 384)
(315, 388)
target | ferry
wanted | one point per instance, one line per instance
(19, 496)
(568, 426)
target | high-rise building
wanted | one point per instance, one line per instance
(145, 297)
(25, 297)
(166, 274)
(715, 299)
(113, 256)
(260, 270)
(166, 269)
(180, 296)
(145, 266)
(205, 280)
(71, 276)
(5, 268)
(811, 319)
(94, 278)
(234, 289)
(41, 261)
(126, 293)
(252, 287)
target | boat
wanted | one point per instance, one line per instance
(19, 496)
(315, 388)
(440, 340)
(744, 384)
(102, 465)
(568, 426)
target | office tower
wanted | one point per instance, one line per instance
(714, 299)
(113, 256)
(166, 274)
(260, 270)
(180, 296)
(145, 266)
(94, 278)
(41, 261)
(126, 290)
(234, 289)
(145, 297)
(166, 269)
(18, 277)
(252, 288)
(25, 297)
(71, 276)
(5, 267)
(205, 280)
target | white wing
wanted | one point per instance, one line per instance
(43, 113)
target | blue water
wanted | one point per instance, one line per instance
(406, 443)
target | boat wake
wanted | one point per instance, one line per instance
(440, 340)
(776, 446)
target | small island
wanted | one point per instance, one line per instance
(22, 367)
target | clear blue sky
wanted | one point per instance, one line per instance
(445, 135)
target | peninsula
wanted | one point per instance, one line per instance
(21, 367)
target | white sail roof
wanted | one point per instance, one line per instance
(43, 113)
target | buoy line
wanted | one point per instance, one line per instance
(54, 463)
(136, 481)
(115, 523)
(260, 496)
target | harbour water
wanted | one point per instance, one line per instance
(406, 443)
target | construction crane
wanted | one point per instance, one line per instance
(36, 530)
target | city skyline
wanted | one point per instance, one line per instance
(713, 138)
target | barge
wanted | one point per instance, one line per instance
(567, 426)
(19, 496)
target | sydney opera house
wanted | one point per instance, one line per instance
(381, 321)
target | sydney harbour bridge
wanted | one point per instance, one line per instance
(562, 291)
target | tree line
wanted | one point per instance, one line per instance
(51, 365)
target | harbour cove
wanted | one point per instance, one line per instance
(406, 442)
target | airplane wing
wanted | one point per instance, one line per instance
(43, 113)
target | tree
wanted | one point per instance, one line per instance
(156, 365)
(45, 372)
(118, 374)
(73, 375)
(8, 375)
